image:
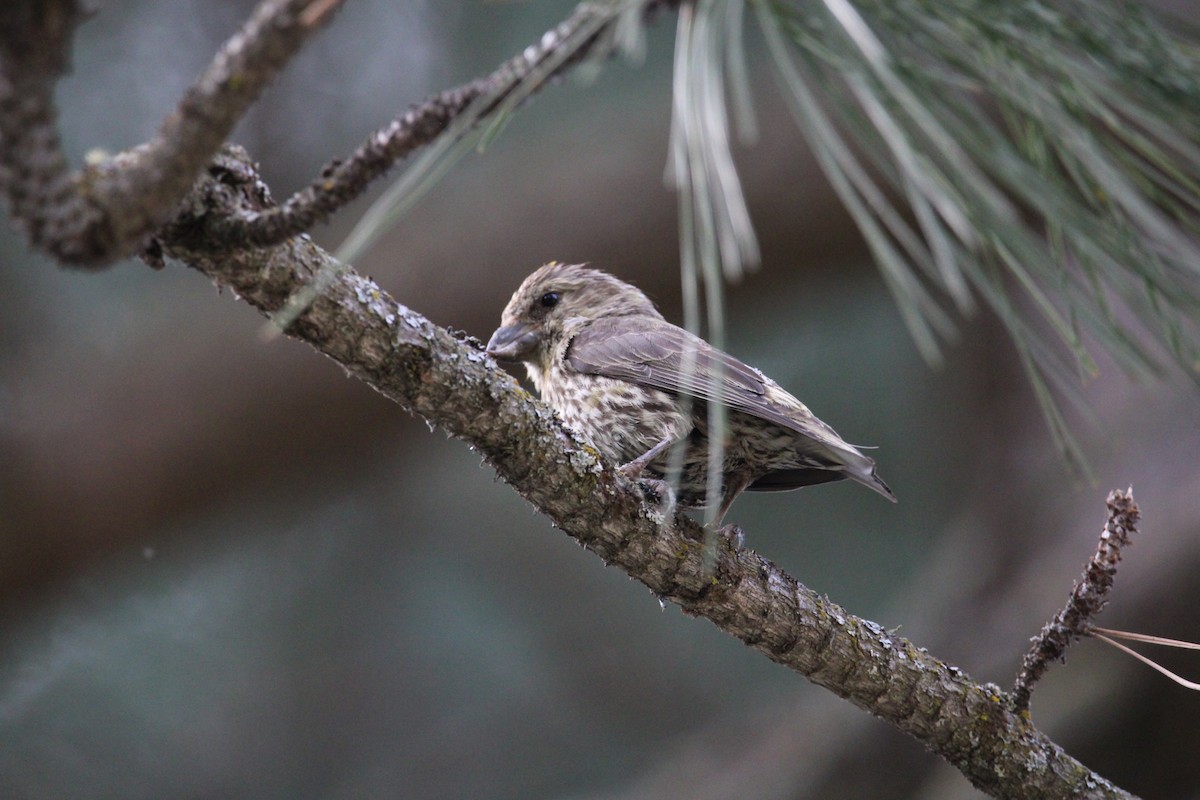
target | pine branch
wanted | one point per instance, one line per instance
(101, 213)
(98, 214)
(94, 216)
(449, 382)
(341, 181)
(1042, 157)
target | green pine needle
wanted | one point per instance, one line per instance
(1047, 153)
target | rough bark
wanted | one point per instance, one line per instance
(1088, 597)
(96, 215)
(450, 382)
(103, 212)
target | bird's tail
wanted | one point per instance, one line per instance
(862, 470)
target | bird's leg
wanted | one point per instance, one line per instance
(634, 469)
(733, 533)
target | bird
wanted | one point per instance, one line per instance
(633, 386)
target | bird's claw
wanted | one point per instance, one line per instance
(732, 534)
(655, 489)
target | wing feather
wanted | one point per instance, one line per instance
(655, 353)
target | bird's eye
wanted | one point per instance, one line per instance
(550, 299)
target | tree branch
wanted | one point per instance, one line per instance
(340, 181)
(1088, 597)
(35, 41)
(104, 212)
(451, 383)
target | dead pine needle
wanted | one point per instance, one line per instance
(1110, 636)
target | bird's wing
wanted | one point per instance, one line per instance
(655, 353)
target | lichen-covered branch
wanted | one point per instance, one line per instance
(103, 212)
(451, 383)
(1088, 597)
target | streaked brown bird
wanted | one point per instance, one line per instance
(632, 385)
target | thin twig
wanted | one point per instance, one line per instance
(341, 181)
(104, 212)
(1088, 597)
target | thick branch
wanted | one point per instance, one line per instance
(35, 42)
(1088, 597)
(450, 382)
(104, 212)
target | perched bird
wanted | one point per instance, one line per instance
(632, 385)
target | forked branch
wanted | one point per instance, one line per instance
(1088, 597)
(103, 212)
(451, 383)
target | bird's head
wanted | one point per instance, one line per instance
(554, 301)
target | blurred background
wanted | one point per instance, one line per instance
(226, 570)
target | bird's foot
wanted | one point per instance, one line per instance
(656, 490)
(732, 534)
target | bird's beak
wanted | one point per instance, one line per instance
(513, 342)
